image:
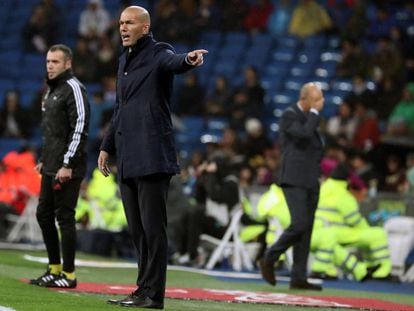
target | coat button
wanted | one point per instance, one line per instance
(125, 73)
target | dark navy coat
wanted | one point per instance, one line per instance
(140, 133)
(302, 148)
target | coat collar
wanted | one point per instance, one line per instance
(64, 76)
(141, 43)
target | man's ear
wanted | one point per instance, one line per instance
(68, 64)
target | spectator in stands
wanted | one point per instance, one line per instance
(387, 61)
(94, 22)
(218, 100)
(230, 143)
(107, 58)
(40, 31)
(109, 88)
(355, 26)
(14, 119)
(394, 178)
(343, 124)
(401, 121)
(309, 18)
(361, 94)
(254, 93)
(233, 13)
(239, 109)
(409, 186)
(190, 97)
(365, 170)
(279, 19)
(173, 24)
(380, 24)
(84, 62)
(258, 16)
(354, 60)
(388, 94)
(256, 141)
(207, 16)
(217, 192)
(367, 132)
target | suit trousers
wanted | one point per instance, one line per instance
(58, 202)
(144, 200)
(302, 203)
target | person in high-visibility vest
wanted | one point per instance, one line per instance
(338, 209)
(104, 207)
(327, 253)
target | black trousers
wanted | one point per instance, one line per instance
(144, 200)
(59, 204)
(302, 203)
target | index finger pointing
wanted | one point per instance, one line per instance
(202, 51)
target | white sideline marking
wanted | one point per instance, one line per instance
(112, 264)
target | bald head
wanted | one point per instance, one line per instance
(134, 23)
(311, 97)
(140, 13)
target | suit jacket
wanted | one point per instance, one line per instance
(302, 148)
(140, 133)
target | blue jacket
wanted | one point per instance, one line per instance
(140, 133)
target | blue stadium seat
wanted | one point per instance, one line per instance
(329, 110)
(272, 83)
(288, 41)
(29, 85)
(9, 144)
(308, 56)
(326, 69)
(295, 83)
(331, 56)
(217, 124)
(262, 40)
(277, 68)
(315, 42)
(302, 70)
(236, 38)
(26, 98)
(210, 38)
(194, 126)
(284, 55)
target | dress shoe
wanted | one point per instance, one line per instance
(133, 296)
(145, 302)
(304, 285)
(268, 272)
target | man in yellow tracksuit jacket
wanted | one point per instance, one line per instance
(338, 210)
(102, 205)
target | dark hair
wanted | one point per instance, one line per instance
(64, 48)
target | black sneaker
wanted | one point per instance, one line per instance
(60, 281)
(46, 277)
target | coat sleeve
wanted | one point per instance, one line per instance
(291, 125)
(78, 114)
(169, 60)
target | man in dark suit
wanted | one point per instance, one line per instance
(302, 149)
(141, 137)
